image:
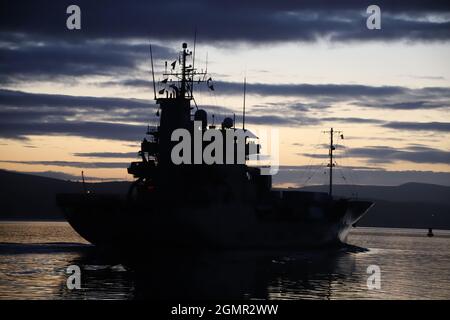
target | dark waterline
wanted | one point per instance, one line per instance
(34, 257)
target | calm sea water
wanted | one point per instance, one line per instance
(34, 257)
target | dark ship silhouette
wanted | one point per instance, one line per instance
(211, 206)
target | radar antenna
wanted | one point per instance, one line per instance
(183, 84)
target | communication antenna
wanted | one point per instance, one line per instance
(153, 72)
(193, 54)
(193, 63)
(243, 106)
(206, 67)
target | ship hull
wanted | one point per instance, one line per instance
(110, 221)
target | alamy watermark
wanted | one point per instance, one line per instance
(374, 20)
(225, 147)
(73, 22)
(374, 280)
(74, 280)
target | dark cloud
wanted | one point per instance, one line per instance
(74, 164)
(419, 126)
(10, 98)
(426, 77)
(406, 105)
(23, 114)
(379, 97)
(243, 20)
(88, 129)
(307, 90)
(279, 120)
(18, 127)
(39, 59)
(300, 176)
(135, 83)
(325, 94)
(125, 155)
(351, 120)
(385, 154)
(305, 120)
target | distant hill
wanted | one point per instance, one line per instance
(26, 196)
(418, 192)
(411, 205)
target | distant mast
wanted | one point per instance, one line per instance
(153, 71)
(330, 165)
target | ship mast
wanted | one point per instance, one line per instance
(331, 164)
(184, 77)
(183, 71)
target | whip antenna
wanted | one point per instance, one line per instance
(153, 72)
(243, 107)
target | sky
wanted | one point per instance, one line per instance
(80, 100)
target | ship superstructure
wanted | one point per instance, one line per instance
(157, 169)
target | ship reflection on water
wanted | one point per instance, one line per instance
(34, 258)
(225, 275)
(38, 272)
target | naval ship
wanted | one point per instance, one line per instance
(218, 205)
